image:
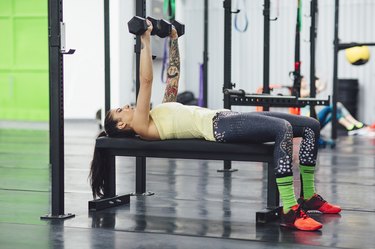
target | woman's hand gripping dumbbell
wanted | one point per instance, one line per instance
(162, 28)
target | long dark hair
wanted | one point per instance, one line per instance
(98, 164)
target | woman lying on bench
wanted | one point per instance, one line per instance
(171, 120)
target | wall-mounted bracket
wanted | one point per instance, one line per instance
(62, 41)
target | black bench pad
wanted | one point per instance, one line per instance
(187, 148)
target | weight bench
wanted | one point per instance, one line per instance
(186, 149)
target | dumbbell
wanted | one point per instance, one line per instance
(162, 28)
(138, 25)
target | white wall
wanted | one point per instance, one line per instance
(122, 53)
(84, 71)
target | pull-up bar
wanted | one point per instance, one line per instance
(354, 44)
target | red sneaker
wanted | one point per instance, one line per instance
(296, 218)
(317, 203)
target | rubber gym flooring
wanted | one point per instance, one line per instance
(194, 206)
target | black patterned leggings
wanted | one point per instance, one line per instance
(260, 127)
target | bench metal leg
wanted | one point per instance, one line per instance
(273, 209)
(227, 167)
(273, 198)
(140, 177)
(110, 178)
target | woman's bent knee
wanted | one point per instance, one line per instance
(313, 124)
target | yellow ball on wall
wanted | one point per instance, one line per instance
(357, 55)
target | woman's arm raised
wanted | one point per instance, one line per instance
(140, 122)
(173, 71)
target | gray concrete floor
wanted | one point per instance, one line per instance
(194, 206)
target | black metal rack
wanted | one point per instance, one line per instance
(56, 120)
(236, 97)
(107, 59)
(337, 47)
(313, 35)
(205, 54)
(239, 98)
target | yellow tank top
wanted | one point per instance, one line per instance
(176, 121)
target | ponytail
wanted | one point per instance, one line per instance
(98, 171)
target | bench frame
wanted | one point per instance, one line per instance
(110, 199)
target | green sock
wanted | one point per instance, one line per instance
(286, 190)
(350, 127)
(308, 183)
(359, 125)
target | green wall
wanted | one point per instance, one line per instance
(24, 60)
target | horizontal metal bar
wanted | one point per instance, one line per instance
(355, 44)
(57, 217)
(264, 96)
(194, 155)
(242, 93)
(276, 101)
